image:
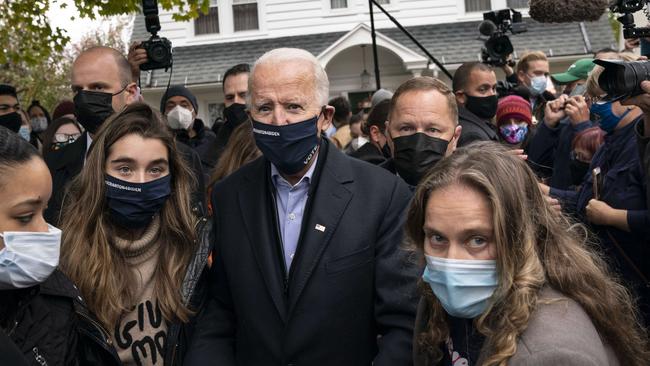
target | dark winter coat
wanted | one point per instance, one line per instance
(474, 128)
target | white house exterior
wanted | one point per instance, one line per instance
(337, 32)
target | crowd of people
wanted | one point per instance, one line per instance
(477, 223)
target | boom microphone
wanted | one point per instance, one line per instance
(567, 11)
(487, 28)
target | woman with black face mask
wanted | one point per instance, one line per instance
(131, 241)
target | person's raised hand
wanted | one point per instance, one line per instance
(137, 56)
(577, 109)
(554, 111)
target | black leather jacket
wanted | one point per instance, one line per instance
(194, 291)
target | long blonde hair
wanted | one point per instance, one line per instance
(535, 248)
(87, 256)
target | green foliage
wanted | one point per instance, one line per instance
(37, 59)
(27, 37)
(615, 24)
(49, 81)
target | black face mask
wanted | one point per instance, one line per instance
(289, 147)
(482, 107)
(235, 114)
(11, 121)
(133, 205)
(416, 154)
(385, 151)
(93, 108)
(578, 171)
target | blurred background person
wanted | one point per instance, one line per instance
(583, 149)
(9, 108)
(496, 292)
(475, 88)
(65, 108)
(342, 117)
(25, 130)
(356, 138)
(180, 107)
(514, 122)
(613, 200)
(533, 72)
(376, 151)
(549, 151)
(40, 119)
(60, 133)
(241, 150)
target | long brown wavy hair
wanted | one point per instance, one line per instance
(535, 248)
(240, 149)
(87, 256)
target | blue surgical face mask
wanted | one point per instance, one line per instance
(24, 132)
(289, 147)
(133, 205)
(607, 120)
(463, 287)
(28, 258)
(538, 85)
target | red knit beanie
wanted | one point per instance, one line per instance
(513, 106)
(65, 107)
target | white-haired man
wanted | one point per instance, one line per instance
(308, 268)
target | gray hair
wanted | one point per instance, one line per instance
(282, 55)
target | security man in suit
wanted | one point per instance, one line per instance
(102, 84)
(308, 267)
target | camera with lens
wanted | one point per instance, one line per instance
(159, 49)
(621, 79)
(497, 46)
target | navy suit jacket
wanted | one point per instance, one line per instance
(350, 295)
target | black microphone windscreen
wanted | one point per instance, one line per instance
(487, 27)
(566, 11)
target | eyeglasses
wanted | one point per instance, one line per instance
(64, 137)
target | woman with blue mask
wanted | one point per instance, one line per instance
(506, 280)
(612, 201)
(131, 241)
(41, 311)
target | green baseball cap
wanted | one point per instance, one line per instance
(578, 71)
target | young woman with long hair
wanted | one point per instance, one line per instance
(507, 280)
(131, 242)
(42, 315)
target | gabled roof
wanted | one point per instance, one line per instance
(362, 35)
(452, 43)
